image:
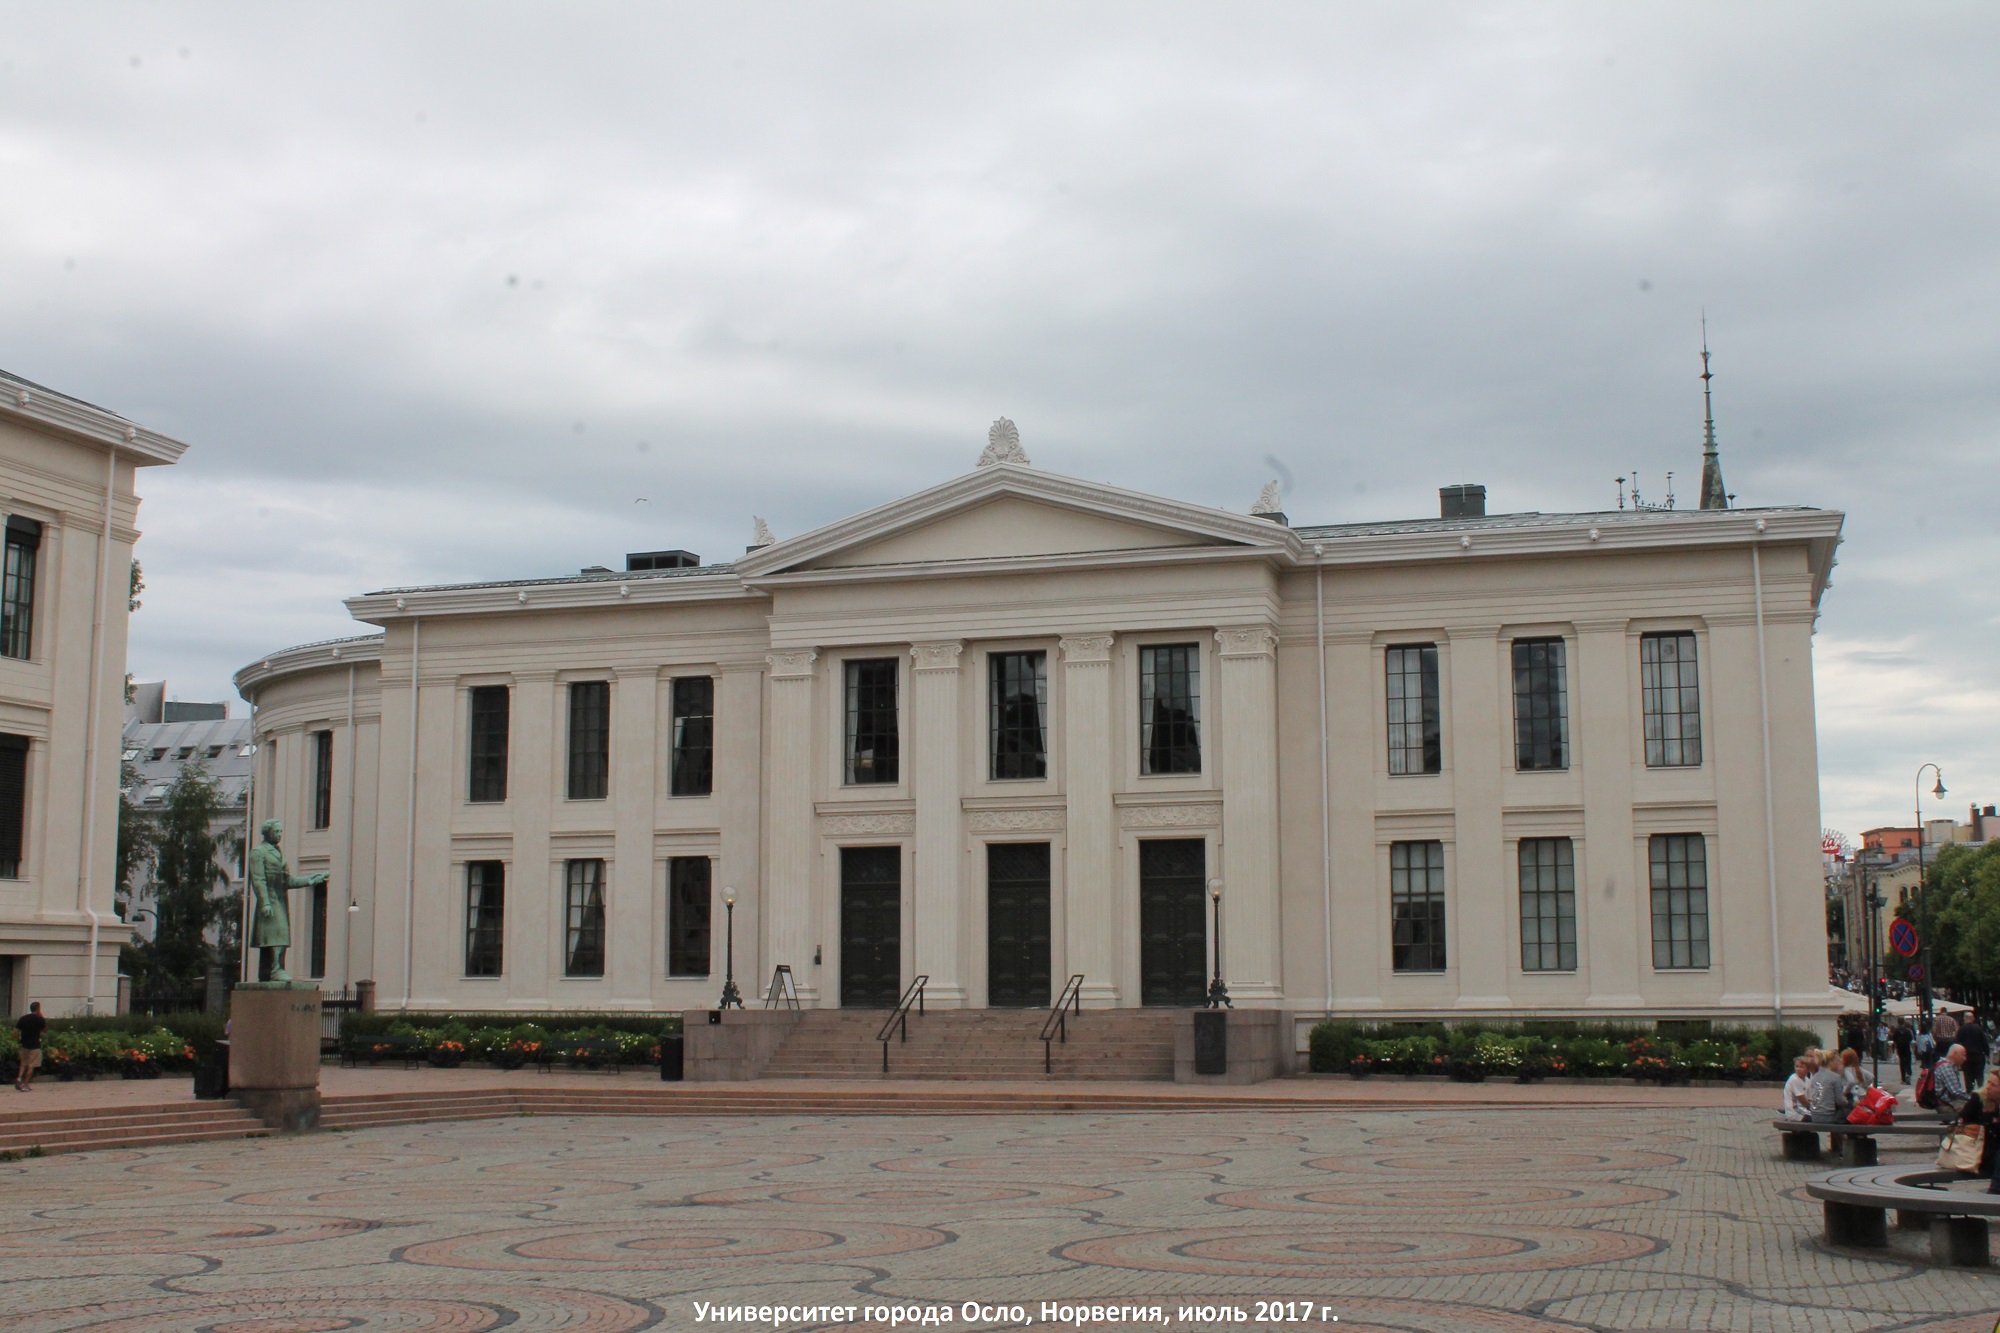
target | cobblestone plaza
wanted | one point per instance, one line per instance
(1458, 1221)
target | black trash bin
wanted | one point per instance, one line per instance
(211, 1073)
(670, 1058)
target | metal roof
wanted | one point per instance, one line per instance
(614, 576)
(1531, 519)
(159, 749)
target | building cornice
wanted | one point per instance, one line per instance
(58, 414)
(358, 650)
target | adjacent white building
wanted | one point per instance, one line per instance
(1018, 726)
(68, 505)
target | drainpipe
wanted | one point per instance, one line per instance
(1325, 785)
(410, 864)
(1770, 820)
(353, 755)
(96, 692)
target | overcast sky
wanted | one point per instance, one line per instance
(440, 292)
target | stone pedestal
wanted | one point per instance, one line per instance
(1258, 1045)
(274, 1052)
(732, 1045)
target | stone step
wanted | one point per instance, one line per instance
(128, 1127)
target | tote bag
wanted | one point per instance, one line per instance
(1960, 1149)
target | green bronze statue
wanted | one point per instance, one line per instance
(270, 881)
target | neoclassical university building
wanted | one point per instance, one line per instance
(1019, 727)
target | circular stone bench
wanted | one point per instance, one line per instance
(1856, 1201)
(1855, 1142)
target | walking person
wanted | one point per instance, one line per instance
(1925, 1046)
(1972, 1036)
(29, 1026)
(1902, 1039)
(1945, 1028)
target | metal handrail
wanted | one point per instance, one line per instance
(900, 1020)
(1057, 1028)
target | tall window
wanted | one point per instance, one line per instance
(322, 783)
(1548, 905)
(13, 803)
(318, 955)
(871, 720)
(1670, 692)
(589, 739)
(485, 917)
(1020, 705)
(687, 916)
(1541, 705)
(487, 751)
(17, 588)
(1170, 708)
(694, 736)
(1416, 906)
(1680, 900)
(583, 951)
(1416, 740)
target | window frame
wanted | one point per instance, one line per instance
(322, 793)
(15, 751)
(580, 754)
(1553, 888)
(1000, 674)
(1683, 749)
(488, 737)
(485, 919)
(1528, 744)
(852, 711)
(1701, 950)
(1429, 721)
(20, 570)
(1430, 897)
(690, 759)
(681, 897)
(584, 880)
(1177, 752)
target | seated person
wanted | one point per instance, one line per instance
(1828, 1094)
(1950, 1084)
(1797, 1085)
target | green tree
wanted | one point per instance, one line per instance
(1959, 913)
(135, 839)
(186, 875)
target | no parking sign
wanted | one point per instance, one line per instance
(1903, 937)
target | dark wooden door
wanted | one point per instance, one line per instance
(1017, 925)
(1173, 927)
(871, 927)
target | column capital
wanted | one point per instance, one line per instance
(1086, 649)
(941, 655)
(792, 663)
(1246, 641)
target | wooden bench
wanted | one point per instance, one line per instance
(387, 1046)
(1856, 1203)
(1856, 1143)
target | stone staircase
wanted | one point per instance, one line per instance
(1127, 1045)
(126, 1126)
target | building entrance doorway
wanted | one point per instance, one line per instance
(1173, 928)
(871, 927)
(1017, 925)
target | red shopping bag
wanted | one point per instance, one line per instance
(1876, 1107)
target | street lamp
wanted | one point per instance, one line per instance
(731, 997)
(1924, 939)
(1218, 994)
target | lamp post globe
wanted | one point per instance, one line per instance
(731, 997)
(1218, 993)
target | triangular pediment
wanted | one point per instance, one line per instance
(1011, 513)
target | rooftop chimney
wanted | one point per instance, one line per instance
(1464, 500)
(638, 560)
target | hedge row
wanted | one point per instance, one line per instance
(382, 1020)
(453, 1043)
(1559, 1049)
(68, 1052)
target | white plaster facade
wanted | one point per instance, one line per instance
(69, 467)
(1013, 558)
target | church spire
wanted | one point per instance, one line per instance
(1713, 493)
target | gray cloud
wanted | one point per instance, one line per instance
(379, 264)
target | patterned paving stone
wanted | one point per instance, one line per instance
(1585, 1217)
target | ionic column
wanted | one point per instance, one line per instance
(1613, 923)
(1479, 938)
(630, 964)
(1248, 728)
(934, 778)
(788, 907)
(534, 914)
(1090, 880)
(739, 789)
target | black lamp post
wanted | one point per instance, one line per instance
(1218, 994)
(731, 997)
(1874, 901)
(1924, 938)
